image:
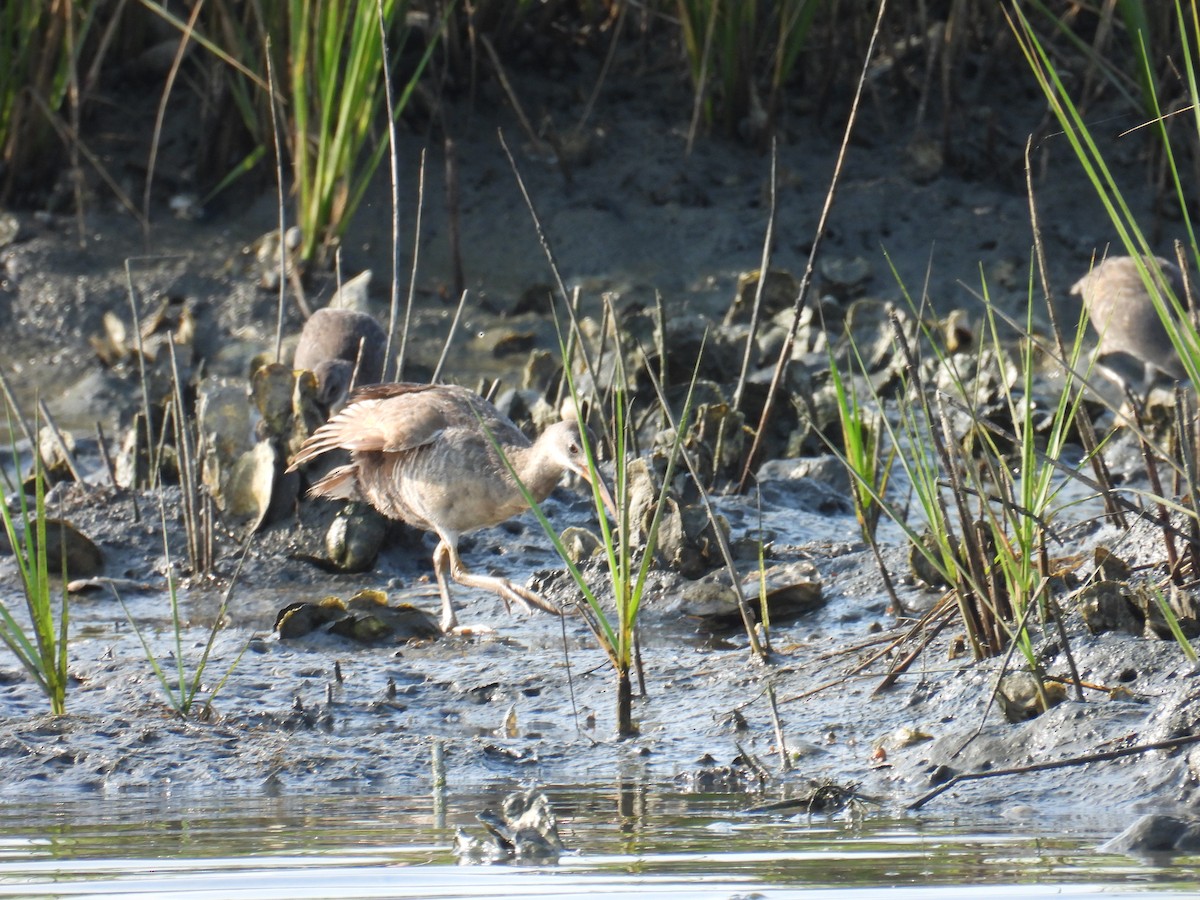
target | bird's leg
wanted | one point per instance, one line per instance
(507, 591)
(442, 555)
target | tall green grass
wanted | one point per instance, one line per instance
(1181, 44)
(740, 55)
(180, 688)
(629, 559)
(981, 462)
(39, 53)
(334, 59)
(41, 645)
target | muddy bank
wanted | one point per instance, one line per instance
(639, 218)
(534, 704)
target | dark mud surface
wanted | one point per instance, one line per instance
(634, 219)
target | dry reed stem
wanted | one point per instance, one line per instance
(437, 372)
(60, 442)
(764, 266)
(279, 198)
(160, 116)
(394, 175)
(1083, 419)
(785, 351)
(1082, 760)
(412, 275)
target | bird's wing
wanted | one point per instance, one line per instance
(391, 425)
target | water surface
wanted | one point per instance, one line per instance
(630, 841)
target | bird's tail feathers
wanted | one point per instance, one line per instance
(340, 484)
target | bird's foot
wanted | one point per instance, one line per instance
(527, 599)
(471, 631)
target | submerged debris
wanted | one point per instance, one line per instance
(822, 797)
(524, 830)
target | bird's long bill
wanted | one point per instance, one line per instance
(586, 475)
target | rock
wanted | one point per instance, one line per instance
(1156, 833)
(403, 622)
(265, 253)
(271, 390)
(1020, 699)
(845, 278)
(581, 544)
(366, 618)
(1108, 606)
(246, 495)
(779, 293)
(10, 227)
(709, 600)
(353, 294)
(792, 590)
(57, 457)
(63, 542)
(827, 469)
(1182, 606)
(924, 159)
(355, 537)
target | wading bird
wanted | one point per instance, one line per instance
(422, 454)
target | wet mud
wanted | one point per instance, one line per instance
(533, 701)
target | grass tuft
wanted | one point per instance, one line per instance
(40, 647)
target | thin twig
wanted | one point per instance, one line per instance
(185, 40)
(550, 258)
(756, 647)
(394, 171)
(437, 372)
(412, 276)
(522, 119)
(151, 456)
(70, 136)
(68, 456)
(785, 352)
(16, 410)
(453, 217)
(1171, 744)
(105, 458)
(701, 82)
(1083, 419)
(785, 762)
(604, 69)
(282, 213)
(763, 268)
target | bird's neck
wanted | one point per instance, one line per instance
(539, 472)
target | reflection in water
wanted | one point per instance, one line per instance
(628, 838)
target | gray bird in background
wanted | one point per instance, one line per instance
(1133, 341)
(335, 345)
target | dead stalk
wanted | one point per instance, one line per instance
(437, 371)
(1083, 419)
(412, 277)
(184, 40)
(61, 443)
(764, 266)
(785, 352)
(394, 173)
(282, 217)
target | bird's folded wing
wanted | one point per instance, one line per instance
(389, 426)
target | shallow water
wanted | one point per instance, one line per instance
(637, 840)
